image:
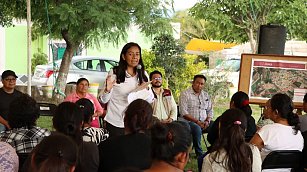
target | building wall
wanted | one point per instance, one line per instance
(2, 49)
(109, 50)
(13, 55)
(16, 49)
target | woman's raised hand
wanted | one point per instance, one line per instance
(110, 81)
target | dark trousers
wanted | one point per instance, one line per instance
(114, 131)
(197, 132)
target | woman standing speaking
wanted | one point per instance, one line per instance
(124, 79)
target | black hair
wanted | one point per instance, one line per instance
(87, 108)
(241, 101)
(23, 112)
(199, 76)
(305, 98)
(120, 70)
(55, 153)
(82, 79)
(67, 120)
(138, 116)
(231, 139)
(283, 104)
(169, 139)
(154, 72)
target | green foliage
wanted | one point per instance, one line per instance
(239, 20)
(191, 27)
(89, 22)
(39, 58)
(184, 79)
(217, 87)
(168, 53)
(177, 68)
(6, 14)
(148, 60)
(293, 17)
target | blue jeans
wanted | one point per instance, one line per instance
(196, 132)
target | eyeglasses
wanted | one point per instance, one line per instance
(10, 79)
(158, 78)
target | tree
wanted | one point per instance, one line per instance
(239, 20)
(87, 23)
(184, 79)
(6, 15)
(168, 53)
(191, 27)
(149, 61)
(39, 58)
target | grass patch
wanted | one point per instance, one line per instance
(45, 122)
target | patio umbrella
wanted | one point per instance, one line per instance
(200, 46)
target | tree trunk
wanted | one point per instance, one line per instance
(252, 40)
(60, 84)
(166, 81)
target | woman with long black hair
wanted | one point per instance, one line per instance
(231, 153)
(284, 133)
(122, 80)
(68, 121)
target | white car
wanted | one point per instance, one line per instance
(93, 68)
(228, 70)
(224, 78)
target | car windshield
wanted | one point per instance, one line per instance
(58, 63)
(232, 65)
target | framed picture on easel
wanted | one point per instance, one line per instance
(262, 76)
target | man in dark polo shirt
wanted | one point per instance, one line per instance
(7, 95)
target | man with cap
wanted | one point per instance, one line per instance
(7, 94)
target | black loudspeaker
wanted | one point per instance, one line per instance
(272, 39)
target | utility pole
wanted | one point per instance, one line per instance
(29, 39)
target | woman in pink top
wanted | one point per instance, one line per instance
(82, 92)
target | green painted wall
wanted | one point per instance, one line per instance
(108, 50)
(16, 48)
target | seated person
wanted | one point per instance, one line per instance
(303, 118)
(68, 120)
(90, 134)
(164, 105)
(304, 161)
(133, 148)
(82, 92)
(264, 119)
(284, 133)
(24, 134)
(195, 107)
(7, 93)
(230, 152)
(48, 156)
(239, 100)
(9, 158)
(170, 148)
